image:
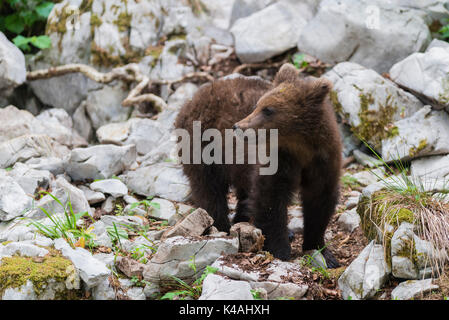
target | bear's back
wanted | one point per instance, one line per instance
(222, 103)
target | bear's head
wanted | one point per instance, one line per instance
(294, 106)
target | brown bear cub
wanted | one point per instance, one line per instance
(309, 155)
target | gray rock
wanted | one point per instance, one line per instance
(65, 193)
(216, 287)
(14, 202)
(57, 124)
(167, 67)
(438, 44)
(136, 293)
(52, 164)
(30, 179)
(366, 274)
(165, 211)
(114, 187)
(82, 123)
(21, 122)
(366, 28)
(108, 259)
(163, 180)
(255, 38)
(367, 177)
(17, 233)
(100, 162)
(433, 166)
(142, 243)
(366, 160)
(22, 249)
(108, 205)
(145, 134)
(350, 141)
(26, 147)
(105, 105)
(426, 75)
(195, 224)
(245, 8)
(423, 134)
(349, 220)
(428, 258)
(277, 290)
(357, 90)
(51, 290)
(121, 220)
(152, 291)
(173, 255)
(296, 224)
(402, 251)
(250, 237)
(92, 271)
(103, 291)
(412, 289)
(92, 197)
(24, 292)
(12, 66)
(435, 9)
(66, 91)
(352, 202)
(101, 237)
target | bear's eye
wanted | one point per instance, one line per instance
(267, 111)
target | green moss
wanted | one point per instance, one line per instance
(102, 57)
(443, 97)
(337, 105)
(95, 21)
(177, 36)
(16, 271)
(375, 125)
(402, 215)
(60, 26)
(393, 132)
(408, 250)
(416, 150)
(123, 21)
(86, 5)
(386, 209)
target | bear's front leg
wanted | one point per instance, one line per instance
(269, 201)
(319, 194)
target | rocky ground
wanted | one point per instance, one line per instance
(93, 204)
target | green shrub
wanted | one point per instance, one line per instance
(23, 21)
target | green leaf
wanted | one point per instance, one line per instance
(29, 17)
(22, 43)
(44, 9)
(14, 23)
(41, 42)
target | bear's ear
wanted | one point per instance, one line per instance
(318, 90)
(287, 72)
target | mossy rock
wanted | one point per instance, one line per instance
(16, 271)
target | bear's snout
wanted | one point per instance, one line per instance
(235, 127)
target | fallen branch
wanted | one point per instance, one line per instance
(128, 73)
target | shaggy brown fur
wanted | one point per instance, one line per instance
(309, 155)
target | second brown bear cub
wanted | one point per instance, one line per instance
(309, 155)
